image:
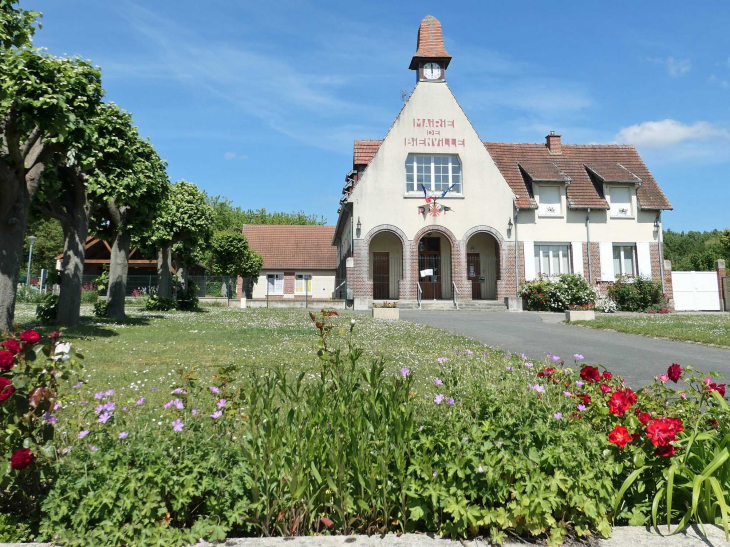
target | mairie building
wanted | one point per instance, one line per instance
(435, 212)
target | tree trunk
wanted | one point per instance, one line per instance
(75, 230)
(118, 270)
(12, 232)
(164, 275)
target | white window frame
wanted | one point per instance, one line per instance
(417, 189)
(276, 277)
(299, 291)
(540, 212)
(538, 257)
(622, 257)
(615, 211)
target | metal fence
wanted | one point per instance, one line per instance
(143, 285)
(482, 271)
(386, 272)
(434, 276)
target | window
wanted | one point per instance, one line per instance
(550, 201)
(624, 259)
(620, 202)
(435, 173)
(275, 283)
(303, 284)
(551, 260)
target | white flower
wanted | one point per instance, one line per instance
(64, 347)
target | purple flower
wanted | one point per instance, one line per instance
(480, 469)
(405, 372)
(506, 355)
(438, 381)
(581, 408)
(154, 390)
(578, 357)
(557, 415)
(109, 406)
(177, 390)
(579, 383)
(104, 418)
(99, 409)
(98, 395)
(83, 433)
(523, 356)
(438, 399)
(468, 352)
(217, 414)
(109, 393)
(450, 401)
(485, 354)
(442, 360)
(567, 393)
(124, 408)
(194, 411)
(434, 474)
(555, 358)
(221, 403)
(84, 403)
(538, 388)
(457, 351)
(56, 406)
(77, 386)
(177, 403)
(140, 402)
(93, 448)
(123, 435)
(50, 418)
(214, 390)
(177, 425)
(509, 368)
(529, 365)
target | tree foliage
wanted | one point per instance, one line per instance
(227, 218)
(17, 25)
(232, 256)
(696, 251)
(47, 246)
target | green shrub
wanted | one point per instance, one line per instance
(213, 288)
(557, 294)
(159, 303)
(101, 308)
(89, 296)
(29, 295)
(47, 310)
(188, 298)
(636, 293)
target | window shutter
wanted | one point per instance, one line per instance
(606, 250)
(577, 250)
(643, 257)
(529, 258)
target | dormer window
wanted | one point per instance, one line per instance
(436, 173)
(620, 197)
(549, 201)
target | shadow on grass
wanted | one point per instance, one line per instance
(94, 327)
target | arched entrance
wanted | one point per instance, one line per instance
(434, 266)
(482, 265)
(385, 269)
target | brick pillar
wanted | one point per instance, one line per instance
(721, 272)
(361, 285)
(668, 289)
(507, 285)
(458, 270)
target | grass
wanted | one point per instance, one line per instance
(149, 348)
(703, 329)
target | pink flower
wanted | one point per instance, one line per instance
(405, 372)
(438, 399)
(214, 390)
(217, 414)
(664, 377)
(221, 403)
(177, 425)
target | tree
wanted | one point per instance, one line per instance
(694, 250)
(48, 245)
(130, 201)
(182, 226)
(725, 243)
(227, 218)
(45, 103)
(17, 25)
(233, 257)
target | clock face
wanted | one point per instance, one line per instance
(431, 71)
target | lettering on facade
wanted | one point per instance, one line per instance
(434, 134)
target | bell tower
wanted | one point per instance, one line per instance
(431, 60)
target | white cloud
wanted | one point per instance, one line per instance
(230, 156)
(668, 133)
(675, 67)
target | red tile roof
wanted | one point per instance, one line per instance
(430, 42)
(364, 151)
(290, 247)
(583, 190)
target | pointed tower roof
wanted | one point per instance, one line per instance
(430, 44)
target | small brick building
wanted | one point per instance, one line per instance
(434, 209)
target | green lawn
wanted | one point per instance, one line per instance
(148, 349)
(704, 329)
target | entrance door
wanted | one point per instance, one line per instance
(474, 273)
(381, 276)
(429, 260)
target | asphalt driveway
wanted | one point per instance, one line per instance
(637, 358)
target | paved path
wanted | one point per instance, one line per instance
(637, 358)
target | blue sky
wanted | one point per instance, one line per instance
(260, 101)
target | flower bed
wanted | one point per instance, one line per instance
(491, 445)
(557, 293)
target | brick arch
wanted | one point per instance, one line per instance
(387, 228)
(440, 229)
(404, 291)
(483, 228)
(457, 262)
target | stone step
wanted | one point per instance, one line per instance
(448, 305)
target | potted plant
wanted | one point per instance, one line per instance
(580, 312)
(386, 310)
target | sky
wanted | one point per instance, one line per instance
(260, 101)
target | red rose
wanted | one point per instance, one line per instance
(590, 374)
(607, 375)
(12, 346)
(662, 431)
(720, 388)
(619, 436)
(30, 337)
(55, 335)
(605, 388)
(6, 360)
(644, 417)
(665, 451)
(21, 459)
(6, 388)
(586, 398)
(619, 403)
(546, 372)
(674, 372)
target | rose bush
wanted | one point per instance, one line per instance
(567, 291)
